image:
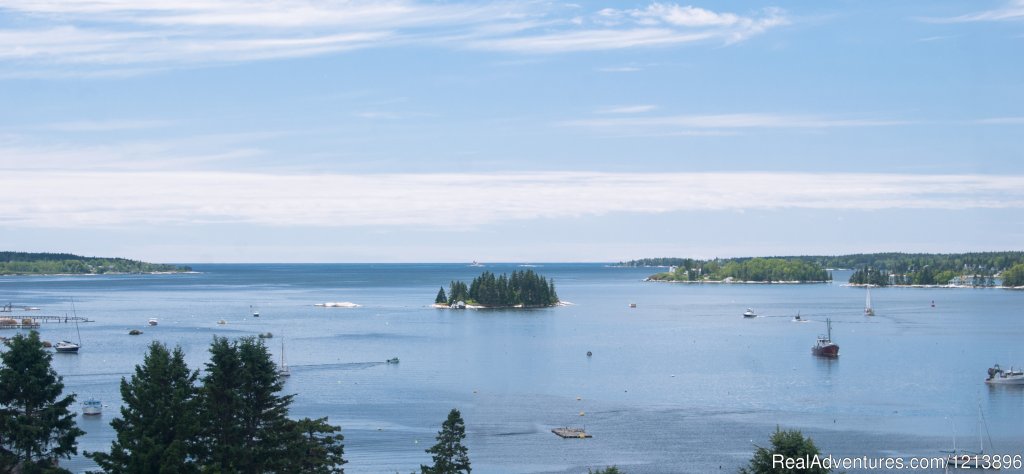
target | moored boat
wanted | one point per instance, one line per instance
(66, 347)
(92, 406)
(998, 375)
(825, 347)
(749, 313)
(153, 321)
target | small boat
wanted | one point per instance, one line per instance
(749, 313)
(222, 322)
(476, 264)
(868, 310)
(997, 375)
(933, 303)
(66, 347)
(798, 319)
(135, 332)
(632, 305)
(153, 321)
(92, 406)
(393, 360)
(255, 312)
(282, 370)
(825, 347)
(337, 304)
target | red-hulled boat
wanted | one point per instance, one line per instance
(825, 347)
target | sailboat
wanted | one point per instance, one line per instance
(282, 370)
(962, 458)
(868, 310)
(69, 347)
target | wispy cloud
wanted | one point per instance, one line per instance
(105, 199)
(725, 122)
(620, 69)
(1010, 11)
(626, 109)
(1001, 121)
(83, 36)
(106, 125)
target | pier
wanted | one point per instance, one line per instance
(571, 433)
(32, 322)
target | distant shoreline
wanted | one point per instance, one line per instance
(100, 274)
(738, 282)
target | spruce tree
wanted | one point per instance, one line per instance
(789, 444)
(244, 425)
(314, 446)
(36, 427)
(450, 455)
(158, 424)
(441, 298)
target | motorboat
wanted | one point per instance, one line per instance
(799, 319)
(825, 347)
(998, 375)
(749, 313)
(393, 360)
(92, 406)
(153, 321)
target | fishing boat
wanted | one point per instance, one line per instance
(997, 375)
(749, 313)
(798, 319)
(92, 406)
(825, 347)
(393, 360)
(868, 310)
(153, 321)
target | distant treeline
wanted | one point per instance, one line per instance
(24, 263)
(747, 269)
(523, 288)
(973, 269)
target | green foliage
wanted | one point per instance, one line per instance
(243, 419)
(441, 298)
(315, 447)
(746, 269)
(522, 288)
(450, 456)
(22, 263)
(157, 428)
(1014, 276)
(36, 427)
(790, 444)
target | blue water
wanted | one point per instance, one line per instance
(681, 383)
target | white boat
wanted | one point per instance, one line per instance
(66, 347)
(868, 310)
(749, 313)
(337, 304)
(476, 264)
(255, 312)
(92, 406)
(997, 375)
(153, 322)
(282, 370)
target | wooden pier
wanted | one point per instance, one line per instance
(32, 322)
(571, 433)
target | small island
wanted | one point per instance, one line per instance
(25, 263)
(522, 289)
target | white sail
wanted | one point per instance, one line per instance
(868, 310)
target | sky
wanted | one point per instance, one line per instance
(199, 131)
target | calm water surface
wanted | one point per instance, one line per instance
(681, 383)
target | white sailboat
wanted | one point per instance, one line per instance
(282, 370)
(868, 310)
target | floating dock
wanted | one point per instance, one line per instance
(571, 433)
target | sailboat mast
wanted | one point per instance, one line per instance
(75, 312)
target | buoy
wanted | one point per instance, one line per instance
(589, 353)
(582, 414)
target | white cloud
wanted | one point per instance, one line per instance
(110, 199)
(89, 35)
(1001, 121)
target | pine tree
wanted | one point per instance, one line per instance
(36, 427)
(789, 444)
(314, 447)
(157, 426)
(244, 420)
(441, 298)
(450, 456)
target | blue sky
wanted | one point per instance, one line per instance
(330, 131)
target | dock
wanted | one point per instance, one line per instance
(32, 322)
(571, 433)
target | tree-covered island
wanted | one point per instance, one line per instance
(976, 269)
(522, 289)
(760, 270)
(25, 263)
